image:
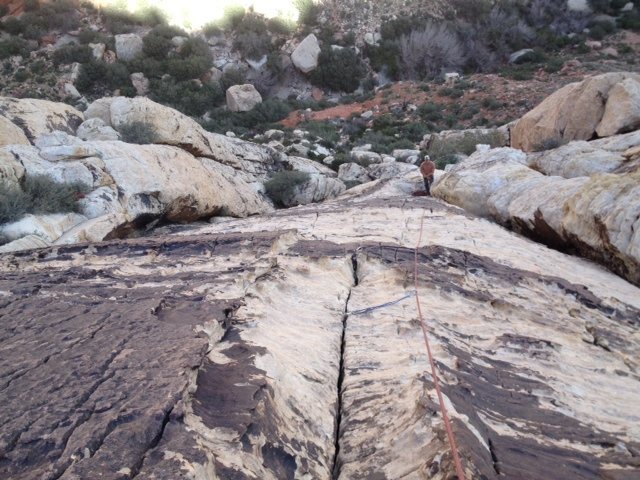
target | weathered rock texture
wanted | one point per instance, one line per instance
(188, 174)
(250, 349)
(305, 56)
(243, 98)
(596, 216)
(597, 106)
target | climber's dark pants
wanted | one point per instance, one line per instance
(427, 184)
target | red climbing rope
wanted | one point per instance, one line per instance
(434, 374)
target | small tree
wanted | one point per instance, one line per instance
(427, 52)
(339, 69)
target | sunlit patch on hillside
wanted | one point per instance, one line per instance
(195, 13)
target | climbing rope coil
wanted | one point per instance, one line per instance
(434, 373)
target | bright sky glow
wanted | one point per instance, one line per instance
(195, 13)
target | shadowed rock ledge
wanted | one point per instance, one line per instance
(248, 350)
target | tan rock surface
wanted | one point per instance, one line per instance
(572, 113)
(11, 134)
(39, 117)
(597, 216)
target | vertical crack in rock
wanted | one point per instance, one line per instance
(335, 471)
(494, 457)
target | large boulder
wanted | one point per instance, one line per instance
(128, 46)
(305, 56)
(383, 171)
(353, 173)
(575, 112)
(38, 117)
(622, 111)
(48, 227)
(11, 134)
(96, 129)
(581, 158)
(316, 188)
(170, 126)
(596, 216)
(243, 98)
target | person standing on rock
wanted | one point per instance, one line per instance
(427, 169)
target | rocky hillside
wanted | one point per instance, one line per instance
(176, 302)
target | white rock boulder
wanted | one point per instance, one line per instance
(243, 98)
(305, 56)
(352, 172)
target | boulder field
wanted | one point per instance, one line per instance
(287, 346)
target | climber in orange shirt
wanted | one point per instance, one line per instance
(427, 169)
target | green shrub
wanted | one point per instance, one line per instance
(212, 29)
(186, 96)
(141, 133)
(14, 46)
(72, 53)
(100, 77)
(31, 5)
(13, 26)
(232, 17)
(339, 70)
(431, 112)
(252, 45)
(280, 26)
(156, 46)
(325, 130)
(21, 75)
(443, 152)
(39, 195)
(282, 185)
(4, 9)
(232, 76)
(630, 21)
(308, 11)
(119, 20)
(491, 103)
(193, 60)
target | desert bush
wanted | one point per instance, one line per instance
(491, 103)
(431, 112)
(100, 77)
(232, 76)
(324, 130)
(443, 152)
(156, 46)
(426, 53)
(308, 11)
(188, 96)
(261, 118)
(38, 195)
(142, 133)
(280, 26)
(212, 29)
(119, 20)
(252, 45)
(232, 17)
(72, 53)
(13, 26)
(14, 46)
(339, 70)
(283, 184)
(630, 21)
(193, 60)
(4, 9)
